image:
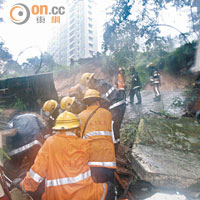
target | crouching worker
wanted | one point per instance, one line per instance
(96, 128)
(63, 162)
(50, 112)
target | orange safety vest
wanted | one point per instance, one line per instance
(121, 82)
(63, 162)
(99, 134)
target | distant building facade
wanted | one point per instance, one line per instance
(77, 37)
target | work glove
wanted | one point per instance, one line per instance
(16, 183)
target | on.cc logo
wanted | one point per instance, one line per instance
(19, 14)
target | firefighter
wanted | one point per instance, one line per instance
(112, 100)
(96, 128)
(135, 86)
(71, 104)
(63, 162)
(30, 134)
(121, 82)
(49, 112)
(155, 80)
(86, 79)
(77, 91)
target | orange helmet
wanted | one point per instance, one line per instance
(121, 69)
(151, 64)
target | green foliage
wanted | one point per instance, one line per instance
(179, 60)
(3, 154)
(128, 133)
(19, 105)
(133, 22)
(191, 96)
(152, 130)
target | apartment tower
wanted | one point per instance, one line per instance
(77, 37)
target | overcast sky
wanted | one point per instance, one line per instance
(19, 37)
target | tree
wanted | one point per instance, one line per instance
(4, 54)
(35, 64)
(8, 67)
(1, 3)
(135, 22)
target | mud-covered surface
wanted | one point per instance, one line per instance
(168, 101)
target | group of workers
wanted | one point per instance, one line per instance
(78, 160)
(135, 85)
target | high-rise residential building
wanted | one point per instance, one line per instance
(77, 37)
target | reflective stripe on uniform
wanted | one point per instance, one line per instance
(136, 87)
(68, 180)
(46, 136)
(109, 91)
(36, 177)
(67, 133)
(25, 147)
(97, 133)
(70, 134)
(103, 164)
(156, 81)
(23, 186)
(104, 191)
(117, 104)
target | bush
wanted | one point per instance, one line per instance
(19, 105)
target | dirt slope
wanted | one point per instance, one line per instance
(170, 83)
(63, 81)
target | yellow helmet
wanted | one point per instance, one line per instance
(66, 121)
(66, 102)
(91, 93)
(86, 77)
(50, 106)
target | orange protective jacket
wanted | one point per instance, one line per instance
(121, 82)
(98, 132)
(63, 162)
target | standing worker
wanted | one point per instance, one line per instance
(112, 99)
(63, 162)
(121, 82)
(96, 128)
(155, 80)
(135, 86)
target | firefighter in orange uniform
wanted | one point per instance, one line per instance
(63, 162)
(121, 82)
(96, 123)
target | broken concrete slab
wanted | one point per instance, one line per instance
(166, 168)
